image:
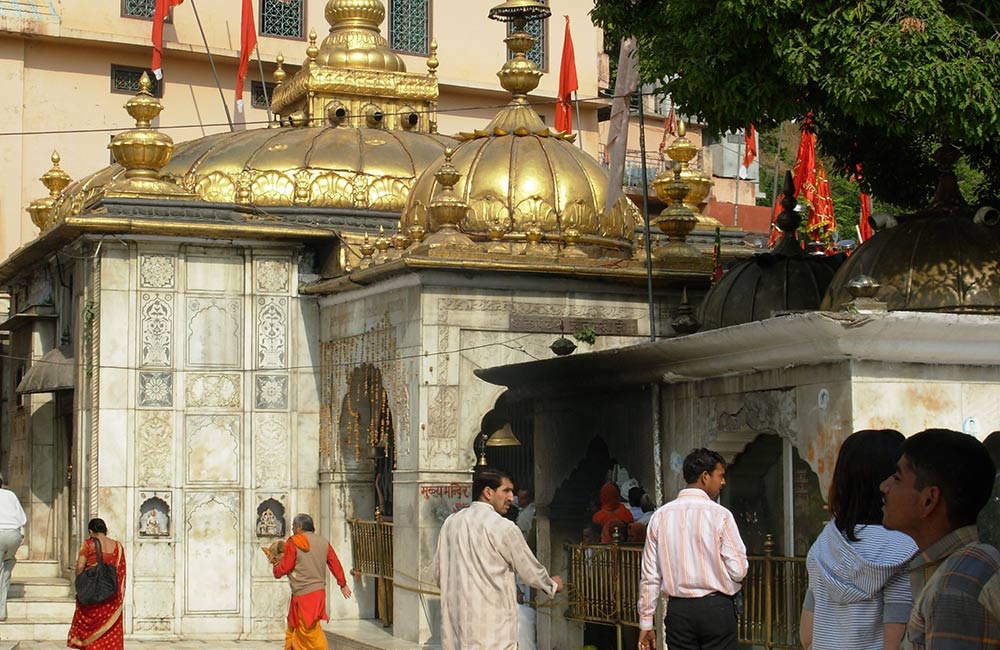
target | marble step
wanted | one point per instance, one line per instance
(36, 569)
(39, 588)
(23, 610)
(37, 630)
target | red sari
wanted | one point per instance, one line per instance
(99, 627)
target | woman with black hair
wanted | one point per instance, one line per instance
(99, 626)
(859, 592)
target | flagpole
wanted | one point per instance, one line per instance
(736, 200)
(579, 123)
(645, 215)
(263, 83)
(211, 60)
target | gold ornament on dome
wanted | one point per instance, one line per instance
(143, 151)
(447, 210)
(55, 180)
(676, 220)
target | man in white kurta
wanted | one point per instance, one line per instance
(478, 553)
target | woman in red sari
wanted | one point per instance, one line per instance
(99, 627)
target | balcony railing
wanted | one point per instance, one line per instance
(603, 585)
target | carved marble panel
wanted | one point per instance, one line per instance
(213, 390)
(271, 392)
(215, 273)
(271, 275)
(214, 328)
(272, 328)
(153, 625)
(153, 600)
(213, 448)
(271, 450)
(153, 560)
(154, 453)
(156, 318)
(157, 271)
(156, 389)
(212, 549)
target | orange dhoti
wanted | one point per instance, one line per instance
(307, 613)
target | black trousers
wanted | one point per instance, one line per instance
(706, 623)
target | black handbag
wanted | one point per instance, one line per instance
(98, 583)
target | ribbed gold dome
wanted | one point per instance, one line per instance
(528, 185)
(334, 167)
(354, 40)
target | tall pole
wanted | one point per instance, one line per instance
(736, 199)
(579, 123)
(645, 215)
(211, 60)
(263, 85)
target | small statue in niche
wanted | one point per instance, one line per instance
(270, 519)
(154, 518)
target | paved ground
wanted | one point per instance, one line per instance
(155, 645)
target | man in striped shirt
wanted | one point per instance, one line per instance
(942, 481)
(694, 556)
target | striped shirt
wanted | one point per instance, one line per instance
(956, 587)
(693, 548)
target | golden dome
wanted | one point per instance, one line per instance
(354, 40)
(333, 167)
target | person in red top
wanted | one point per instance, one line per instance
(99, 626)
(305, 560)
(611, 507)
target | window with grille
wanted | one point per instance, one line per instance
(410, 26)
(125, 80)
(258, 98)
(283, 18)
(538, 52)
(138, 8)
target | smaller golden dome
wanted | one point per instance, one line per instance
(354, 40)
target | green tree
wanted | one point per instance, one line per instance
(885, 81)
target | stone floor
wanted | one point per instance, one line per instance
(153, 645)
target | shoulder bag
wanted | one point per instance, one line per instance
(99, 583)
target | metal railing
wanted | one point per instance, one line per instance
(371, 550)
(603, 585)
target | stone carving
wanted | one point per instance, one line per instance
(154, 454)
(271, 392)
(272, 321)
(220, 390)
(771, 411)
(154, 514)
(587, 312)
(213, 448)
(154, 625)
(156, 315)
(270, 519)
(212, 549)
(156, 389)
(441, 425)
(213, 331)
(270, 451)
(555, 325)
(156, 271)
(269, 600)
(272, 275)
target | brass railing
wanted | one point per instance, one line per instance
(371, 549)
(603, 585)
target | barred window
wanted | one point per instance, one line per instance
(282, 18)
(257, 97)
(410, 26)
(125, 80)
(539, 51)
(138, 8)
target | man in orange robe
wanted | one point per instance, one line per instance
(305, 560)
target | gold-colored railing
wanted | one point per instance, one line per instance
(603, 584)
(371, 546)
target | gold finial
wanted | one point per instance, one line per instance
(367, 250)
(144, 107)
(382, 244)
(312, 51)
(681, 129)
(677, 220)
(432, 60)
(279, 72)
(55, 180)
(399, 240)
(447, 210)
(519, 75)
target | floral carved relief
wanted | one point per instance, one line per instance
(156, 315)
(156, 389)
(271, 392)
(156, 271)
(270, 451)
(154, 449)
(272, 322)
(213, 390)
(272, 275)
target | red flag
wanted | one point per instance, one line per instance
(822, 225)
(248, 41)
(750, 152)
(160, 13)
(567, 84)
(804, 176)
(669, 127)
(865, 228)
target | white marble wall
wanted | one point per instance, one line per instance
(208, 402)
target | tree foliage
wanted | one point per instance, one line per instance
(885, 80)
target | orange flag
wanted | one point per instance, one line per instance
(822, 225)
(669, 127)
(750, 152)
(568, 84)
(160, 13)
(248, 41)
(804, 173)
